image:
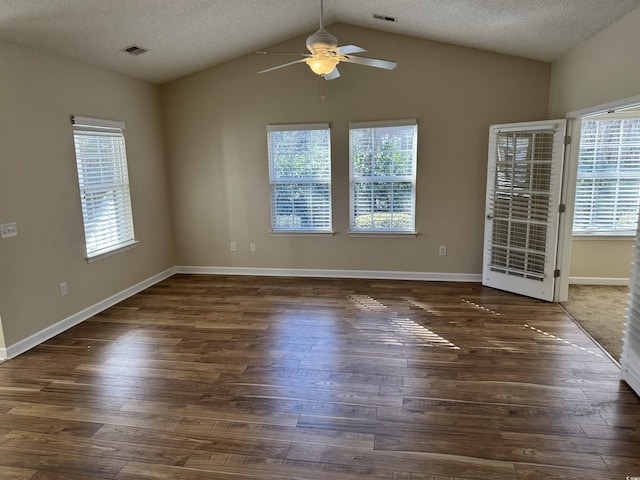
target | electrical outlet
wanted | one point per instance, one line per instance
(63, 289)
(443, 250)
(233, 246)
(9, 230)
(252, 247)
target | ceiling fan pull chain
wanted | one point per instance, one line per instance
(321, 89)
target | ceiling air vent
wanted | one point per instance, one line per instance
(134, 50)
(386, 18)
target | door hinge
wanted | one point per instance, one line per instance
(556, 273)
(562, 208)
(567, 139)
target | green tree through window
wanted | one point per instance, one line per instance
(383, 172)
(300, 177)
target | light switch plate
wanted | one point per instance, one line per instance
(9, 230)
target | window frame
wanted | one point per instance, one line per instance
(353, 179)
(115, 233)
(601, 233)
(274, 182)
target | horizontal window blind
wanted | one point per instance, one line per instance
(104, 185)
(383, 175)
(521, 202)
(608, 185)
(300, 177)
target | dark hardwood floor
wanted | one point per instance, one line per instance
(221, 377)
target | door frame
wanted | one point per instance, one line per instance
(568, 189)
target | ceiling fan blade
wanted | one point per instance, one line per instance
(282, 66)
(349, 49)
(262, 52)
(333, 74)
(371, 62)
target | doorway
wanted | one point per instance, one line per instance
(604, 221)
(598, 228)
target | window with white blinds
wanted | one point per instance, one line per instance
(608, 186)
(383, 160)
(300, 177)
(104, 185)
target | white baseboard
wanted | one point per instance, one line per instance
(598, 281)
(43, 335)
(3, 354)
(329, 273)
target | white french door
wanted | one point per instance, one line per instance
(524, 179)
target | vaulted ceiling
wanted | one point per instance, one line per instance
(185, 36)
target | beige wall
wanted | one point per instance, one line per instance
(602, 69)
(601, 259)
(216, 145)
(39, 190)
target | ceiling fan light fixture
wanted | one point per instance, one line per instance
(322, 64)
(325, 54)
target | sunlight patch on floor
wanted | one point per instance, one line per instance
(401, 326)
(562, 340)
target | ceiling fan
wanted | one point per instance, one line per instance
(325, 54)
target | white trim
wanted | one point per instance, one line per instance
(300, 233)
(629, 376)
(618, 115)
(598, 281)
(96, 122)
(382, 233)
(407, 122)
(51, 331)
(3, 354)
(298, 126)
(519, 126)
(568, 199)
(605, 107)
(329, 273)
(99, 256)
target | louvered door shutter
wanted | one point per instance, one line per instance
(630, 361)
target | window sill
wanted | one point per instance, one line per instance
(300, 233)
(383, 234)
(100, 256)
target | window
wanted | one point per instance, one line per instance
(382, 158)
(300, 177)
(608, 187)
(104, 185)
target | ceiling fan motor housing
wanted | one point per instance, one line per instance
(321, 40)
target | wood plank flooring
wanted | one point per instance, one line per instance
(222, 377)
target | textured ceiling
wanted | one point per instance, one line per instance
(184, 36)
